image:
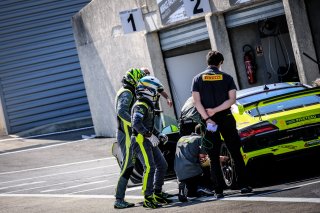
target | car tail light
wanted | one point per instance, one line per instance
(261, 128)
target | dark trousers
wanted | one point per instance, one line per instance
(212, 143)
(192, 185)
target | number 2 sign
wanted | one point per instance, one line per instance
(132, 20)
(194, 7)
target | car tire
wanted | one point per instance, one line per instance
(137, 174)
(228, 168)
(116, 152)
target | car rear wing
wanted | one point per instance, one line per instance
(263, 102)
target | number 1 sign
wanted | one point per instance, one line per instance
(194, 7)
(132, 20)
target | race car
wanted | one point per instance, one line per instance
(274, 121)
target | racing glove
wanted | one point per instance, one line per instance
(154, 140)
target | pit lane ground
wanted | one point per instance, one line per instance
(74, 172)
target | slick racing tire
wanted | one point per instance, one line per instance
(137, 174)
(227, 167)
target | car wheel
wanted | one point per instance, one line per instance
(137, 173)
(227, 167)
(116, 152)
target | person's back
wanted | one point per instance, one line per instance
(187, 157)
(214, 92)
(213, 85)
(188, 168)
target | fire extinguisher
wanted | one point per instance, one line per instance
(249, 63)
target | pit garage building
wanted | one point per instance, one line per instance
(282, 37)
(41, 83)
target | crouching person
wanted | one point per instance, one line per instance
(145, 143)
(187, 165)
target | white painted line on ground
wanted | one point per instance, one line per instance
(288, 188)
(15, 137)
(54, 166)
(87, 190)
(246, 199)
(139, 187)
(70, 196)
(75, 186)
(264, 199)
(62, 173)
(172, 190)
(23, 184)
(306, 184)
(42, 147)
(88, 136)
(61, 183)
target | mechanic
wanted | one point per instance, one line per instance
(145, 142)
(188, 163)
(124, 101)
(214, 92)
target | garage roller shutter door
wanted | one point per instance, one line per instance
(184, 35)
(40, 76)
(255, 13)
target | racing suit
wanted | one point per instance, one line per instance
(154, 164)
(124, 101)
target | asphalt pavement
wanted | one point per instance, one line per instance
(75, 172)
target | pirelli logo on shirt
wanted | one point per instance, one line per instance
(216, 77)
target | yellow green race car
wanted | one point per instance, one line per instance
(275, 121)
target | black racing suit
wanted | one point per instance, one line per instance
(124, 102)
(154, 164)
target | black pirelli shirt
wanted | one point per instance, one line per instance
(213, 86)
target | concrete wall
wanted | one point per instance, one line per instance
(301, 39)
(106, 53)
(314, 17)
(219, 40)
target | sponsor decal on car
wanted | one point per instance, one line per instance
(288, 146)
(301, 119)
(312, 143)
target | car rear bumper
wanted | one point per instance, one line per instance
(270, 157)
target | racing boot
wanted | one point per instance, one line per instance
(150, 202)
(122, 204)
(162, 197)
